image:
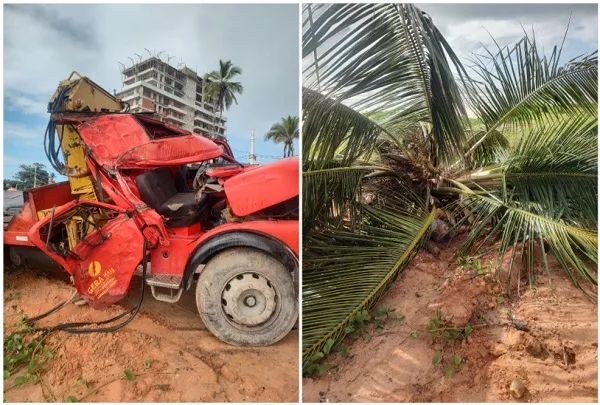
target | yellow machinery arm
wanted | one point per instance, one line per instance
(72, 95)
(75, 94)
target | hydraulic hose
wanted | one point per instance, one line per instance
(77, 327)
(50, 148)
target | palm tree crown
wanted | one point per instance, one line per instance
(220, 87)
(285, 131)
(384, 117)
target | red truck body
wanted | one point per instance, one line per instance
(125, 153)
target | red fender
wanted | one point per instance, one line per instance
(285, 231)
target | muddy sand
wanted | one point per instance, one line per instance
(556, 357)
(168, 349)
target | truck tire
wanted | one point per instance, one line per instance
(246, 297)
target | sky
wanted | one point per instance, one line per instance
(44, 43)
(467, 27)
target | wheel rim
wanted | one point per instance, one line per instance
(249, 299)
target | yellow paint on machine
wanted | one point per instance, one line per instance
(94, 268)
(103, 283)
(83, 95)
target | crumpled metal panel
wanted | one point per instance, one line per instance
(121, 141)
(103, 277)
(263, 186)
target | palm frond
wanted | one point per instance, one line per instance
(520, 87)
(493, 149)
(345, 272)
(332, 193)
(386, 58)
(520, 229)
(552, 171)
(332, 131)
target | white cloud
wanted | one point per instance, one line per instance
(44, 43)
(468, 26)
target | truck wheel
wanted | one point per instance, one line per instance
(246, 297)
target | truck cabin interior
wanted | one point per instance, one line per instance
(169, 194)
(171, 190)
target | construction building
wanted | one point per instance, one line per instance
(152, 85)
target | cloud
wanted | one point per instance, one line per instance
(468, 27)
(44, 43)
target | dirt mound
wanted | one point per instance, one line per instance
(172, 355)
(547, 338)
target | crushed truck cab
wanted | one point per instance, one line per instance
(180, 201)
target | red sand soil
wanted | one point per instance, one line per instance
(195, 366)
(557, 360)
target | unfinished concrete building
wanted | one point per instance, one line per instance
(175, 94)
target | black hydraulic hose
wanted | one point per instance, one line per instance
(50, 148)
(31, 321)
(75, 327)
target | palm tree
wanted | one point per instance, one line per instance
(220, 89)
(285, 131)
(384, 117)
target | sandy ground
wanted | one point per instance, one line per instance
(556, 359)
(186, 362)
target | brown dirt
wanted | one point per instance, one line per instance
(394, 367)
(195, 366)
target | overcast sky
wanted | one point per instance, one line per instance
(466, 26)
(44, 43)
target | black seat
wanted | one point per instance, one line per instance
(181, 173)
(157, 189)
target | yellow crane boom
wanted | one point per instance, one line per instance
(78, 94)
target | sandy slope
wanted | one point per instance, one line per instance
(394, 367)
(195, 366)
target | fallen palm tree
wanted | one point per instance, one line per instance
(387, 142)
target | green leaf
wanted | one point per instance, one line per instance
(328, 345)
(344, 349)
(457, 360)
(414, 334)
(323, 368)
(316, 357)
(360, 316)
(519, 86)
(449, 370)
(147, 363)
(310, 369)
(499, 300)
(436, 359)
(22, 379)
(129, 374)
(6, 374)
(574, 247)
(71, 398)
(467, 331)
